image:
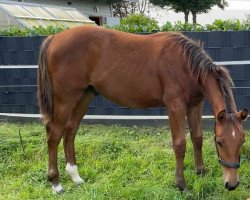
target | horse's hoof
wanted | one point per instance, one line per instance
(78, 181)
(73, 172)
(57, 189)
(201, 171)
(181, 186)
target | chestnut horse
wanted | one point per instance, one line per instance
(163, 69)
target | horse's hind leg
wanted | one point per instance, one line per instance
(70, 132)
(54, 134)
(55, 129)
(194, 117)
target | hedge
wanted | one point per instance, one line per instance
(138, 24)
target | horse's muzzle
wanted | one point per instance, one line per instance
(231, 187)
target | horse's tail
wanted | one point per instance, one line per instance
(45, 92)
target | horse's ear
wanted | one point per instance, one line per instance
(242, 115)
(221, 116)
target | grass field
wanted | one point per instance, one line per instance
(116, 163)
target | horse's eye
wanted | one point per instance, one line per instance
(219, 143)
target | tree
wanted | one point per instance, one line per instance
(143, 6)
(106, 1)
(193, 6)
(176, 5)
(123, 9)
(203, 6)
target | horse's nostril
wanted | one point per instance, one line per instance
(230, 188)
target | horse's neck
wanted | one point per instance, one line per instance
(214, 94)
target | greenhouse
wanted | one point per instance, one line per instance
(28, 15)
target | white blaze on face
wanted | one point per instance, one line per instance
(73, 172)
(233, 134)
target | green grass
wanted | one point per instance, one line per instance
(116, 163)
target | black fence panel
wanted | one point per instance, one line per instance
(18, 86)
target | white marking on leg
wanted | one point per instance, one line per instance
(73, 172)
(233, 134)
(57, 188)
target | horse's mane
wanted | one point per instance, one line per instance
(201, 64)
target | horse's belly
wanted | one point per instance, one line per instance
(131, 94)
(134, 101)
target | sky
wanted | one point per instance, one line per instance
(237, 9)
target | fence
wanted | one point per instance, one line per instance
(18, 57)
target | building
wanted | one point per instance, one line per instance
(29, 13)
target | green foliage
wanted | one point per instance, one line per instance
(179, 26)
(137, 23)
(35, 31)
(203, 6)
(115, 162)
(195, 7)
(217, 25)
(228, 25)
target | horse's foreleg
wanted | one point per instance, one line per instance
(177, 114)
(194, 117)
(70, 132)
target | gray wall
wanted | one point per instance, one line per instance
(18, 86)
